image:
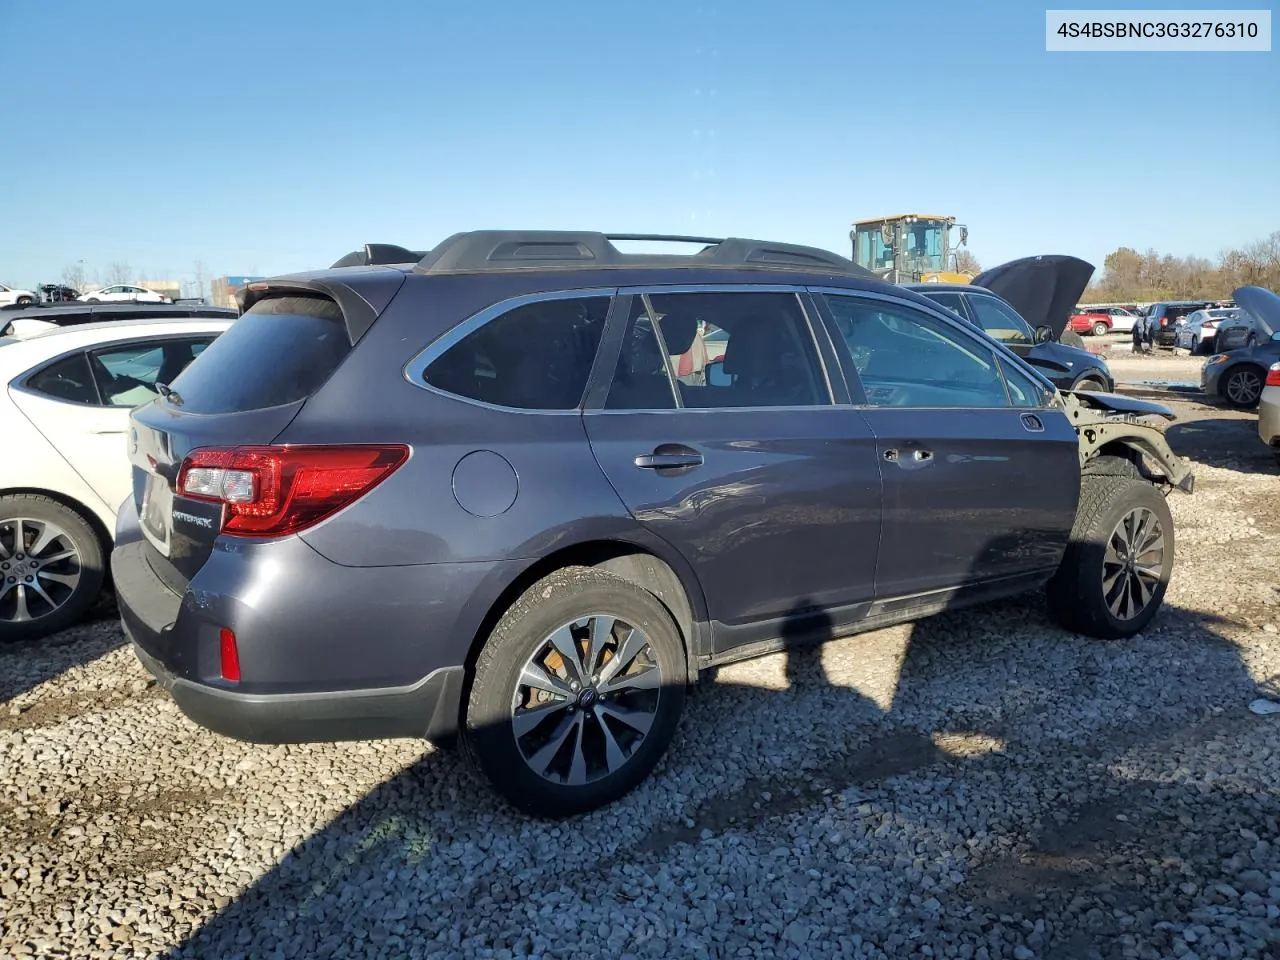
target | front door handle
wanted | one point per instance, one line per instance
(917, 455)
(666, 461)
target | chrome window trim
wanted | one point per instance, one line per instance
(417, 365)
(957, 324)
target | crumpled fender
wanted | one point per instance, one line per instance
(1103, 419)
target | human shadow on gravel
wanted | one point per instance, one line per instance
(430, 864)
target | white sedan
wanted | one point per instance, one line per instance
(124, 292)
(10, 295)
(64, 416)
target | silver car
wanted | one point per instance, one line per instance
(1269, 411)
(1200, 329)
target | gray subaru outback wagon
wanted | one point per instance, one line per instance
(518, 490)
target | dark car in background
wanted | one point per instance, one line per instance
(57, 293)
(1164, 319)
(1238, 376)
(979, 303)
(469, 495)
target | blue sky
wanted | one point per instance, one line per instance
(275, 136)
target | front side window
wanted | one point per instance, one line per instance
(127, 376)
(533, 357)
(906, 358)
(1000, 321)
(1024, 390)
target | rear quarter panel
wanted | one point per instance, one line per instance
(417, 515)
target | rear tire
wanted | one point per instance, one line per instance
(559, 749)
(1100, 329)
(48, 588)
(1116, 568)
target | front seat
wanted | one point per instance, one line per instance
(767, 364)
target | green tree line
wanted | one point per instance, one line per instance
(1132, 276)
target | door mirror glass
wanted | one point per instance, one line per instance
(716, 377)
(1275, 337)
(1044, 334)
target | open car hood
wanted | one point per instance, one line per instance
(1043, 289)
(1262, 305)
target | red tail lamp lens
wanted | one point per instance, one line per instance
(270, 491)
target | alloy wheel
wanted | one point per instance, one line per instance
(40, 568)
(585, 700)
(1132, 563)
(1244, 387)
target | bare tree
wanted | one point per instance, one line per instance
(966, 262)
(73, 276)
(119, 272)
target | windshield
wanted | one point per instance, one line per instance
(922, 246)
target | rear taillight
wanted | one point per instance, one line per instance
(271, 491)
(1273, 375)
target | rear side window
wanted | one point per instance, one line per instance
(534, 357)
(280, 351)
(69, 379)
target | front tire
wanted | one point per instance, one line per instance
(51, 566)
(576, 694)
(1116, 568)
(25, 301)
(1242, 387)
(1089, 384)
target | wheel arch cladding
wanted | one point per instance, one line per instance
(627, 561)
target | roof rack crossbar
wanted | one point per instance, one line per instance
(486, 251)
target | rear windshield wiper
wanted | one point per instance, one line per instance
(169, 393)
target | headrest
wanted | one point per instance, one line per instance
(678, 331)
(754, 342)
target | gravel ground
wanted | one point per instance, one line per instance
(977, 785)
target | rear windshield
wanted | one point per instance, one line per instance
(280, 351)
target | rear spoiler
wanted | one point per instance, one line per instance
(380, 254)
(361, 295)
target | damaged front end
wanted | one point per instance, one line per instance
(1115, 425)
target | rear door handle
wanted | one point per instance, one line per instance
(665, 461)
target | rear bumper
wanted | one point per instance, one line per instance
(326, 652)
(1269, 417)
(428, 709)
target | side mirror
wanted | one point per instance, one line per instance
(716, 377)
(1044, 334)
(964, 236)
(1275, 337)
